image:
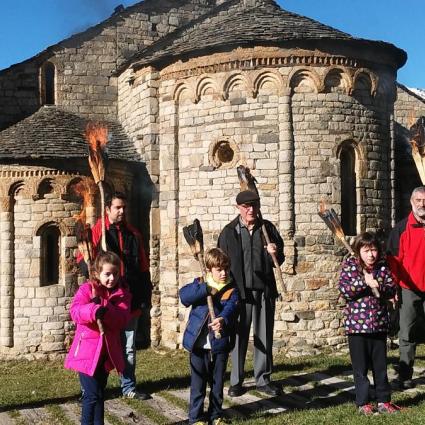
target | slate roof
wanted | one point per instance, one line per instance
(52, 133)
(234, 24)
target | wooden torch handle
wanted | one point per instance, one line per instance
(277, 270)
(102, 215)
(210, 303)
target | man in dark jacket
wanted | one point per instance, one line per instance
(252, 270)
(126, 242)
(406, 257)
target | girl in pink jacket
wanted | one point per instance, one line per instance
(100, 309)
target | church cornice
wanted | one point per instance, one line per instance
(251, 59)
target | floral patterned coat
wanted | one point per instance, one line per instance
(364, 313)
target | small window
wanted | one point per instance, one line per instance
(50, 255)
(47, 83)
(223, 153)
(348, 190)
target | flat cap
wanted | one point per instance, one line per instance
(247, 197)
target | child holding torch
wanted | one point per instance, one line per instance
(94, 353)
(366, 321)
(209, 354)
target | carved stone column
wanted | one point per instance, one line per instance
(6, 271)
(286, 177)
(168, 207)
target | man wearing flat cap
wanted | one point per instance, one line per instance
(252, 269)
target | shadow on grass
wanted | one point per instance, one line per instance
(307, 391)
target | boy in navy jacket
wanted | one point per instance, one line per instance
(208, 355)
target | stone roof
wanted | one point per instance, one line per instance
(145, 6)
(243, 23)
(52, 133)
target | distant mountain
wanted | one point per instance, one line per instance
(419, 92)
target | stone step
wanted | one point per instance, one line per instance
(35, 416)
(5, 419)
(72, 412)
(301, 391)
(173, 413)
(125, 413)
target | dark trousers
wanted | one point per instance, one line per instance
(93, 397)
(369, 352)
(258, 311)
(411, 312)
(206, 367)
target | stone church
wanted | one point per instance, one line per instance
(190, 89)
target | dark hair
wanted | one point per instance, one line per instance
(216, 257)
(115, 195)
(366, 239)
(105, 257)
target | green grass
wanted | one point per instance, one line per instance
(48, 384)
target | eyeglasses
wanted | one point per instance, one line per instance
(249, 206)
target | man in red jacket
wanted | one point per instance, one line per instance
(126, 242)
(406, 257)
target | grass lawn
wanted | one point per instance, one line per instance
(48, 384)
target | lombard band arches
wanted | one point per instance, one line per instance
(269, 80)
(303, 80)
(365, 82)
(16, 188)
(183, 91)
(338, 80)
(45, 187)
(236, 82)
(206, 86)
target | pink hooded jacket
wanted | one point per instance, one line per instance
(88, 344)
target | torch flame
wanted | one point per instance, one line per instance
(322, 206)
(82, 190)
(96, 135)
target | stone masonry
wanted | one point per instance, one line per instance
(194, 88)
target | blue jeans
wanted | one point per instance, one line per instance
(93, 397)
(128, 341)
(206, 367)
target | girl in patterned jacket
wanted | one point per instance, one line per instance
(366, 321)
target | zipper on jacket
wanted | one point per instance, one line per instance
(78, 344)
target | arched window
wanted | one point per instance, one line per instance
(47, 83)
(348, 190)
(49, 255)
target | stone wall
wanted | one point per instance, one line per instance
(34, 311)
(407, 109)
(85, 62)
(34, 315)
(287, 124)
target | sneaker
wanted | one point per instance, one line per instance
(367, 410)
(221, 421)
(137, 395)
(388, 408)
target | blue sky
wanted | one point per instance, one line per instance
(29, 26)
